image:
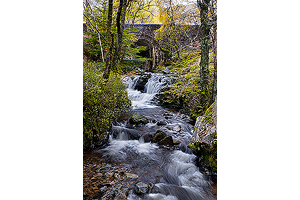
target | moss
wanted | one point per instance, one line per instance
(184, 94)
(208, 154)
(138, 119)
(208, 115)
(158, 136)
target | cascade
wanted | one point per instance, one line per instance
(155, 84)
(170, 170)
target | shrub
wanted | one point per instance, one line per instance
(101, 103)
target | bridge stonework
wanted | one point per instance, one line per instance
(189, 39)
(146, 37)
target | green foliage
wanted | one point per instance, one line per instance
(184, 94)
(101, 102)
(129, 54)
(207, 153)
(91, 46)
(208, 115)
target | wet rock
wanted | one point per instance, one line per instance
(166, 141)
(102, 185)
(158, 136)
(138, 118)
(99, 175)
(103, 189)
(141, 82)
(168, 115)
(94, 179)
(118, 176)
(166, 71)
(122, 193)
(173, 132)
(176, 142)
(155, 189)
(109, 195)
(176, 128)
(103, 168)
(161, 123)
(152, 120)
(148, 138)
(132, 176)
(109, 174)
(85, 195)
(141, 188)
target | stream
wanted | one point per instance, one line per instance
(144, 170)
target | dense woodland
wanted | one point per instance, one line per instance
(109, 53)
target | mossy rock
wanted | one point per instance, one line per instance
(141, 82)
(158, 136)
(207, 153)
(166, 141)
(138, 118)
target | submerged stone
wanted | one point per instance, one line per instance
(138, 118)
(176, 128)
(161, 123)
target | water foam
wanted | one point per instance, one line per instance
(142, 100)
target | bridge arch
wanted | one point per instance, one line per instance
(152, 50)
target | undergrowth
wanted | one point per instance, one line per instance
(185, 93)
(102, 102)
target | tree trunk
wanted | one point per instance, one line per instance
(120, 29)
(109, 56)
(214, 90)
(204, 62)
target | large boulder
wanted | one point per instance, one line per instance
(138, 118)
(158, 136)
(166, 141)
(141, 188)
(141, 82)
(148, 137)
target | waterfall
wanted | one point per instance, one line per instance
(141, 100)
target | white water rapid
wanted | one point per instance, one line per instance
(143, 99)
(170, 170)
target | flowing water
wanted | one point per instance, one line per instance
(169, 169)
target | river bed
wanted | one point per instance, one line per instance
(132, 162)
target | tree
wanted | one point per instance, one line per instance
(113, 57)
(109, 56)
(208, 19)
(170, 15)
(213, 10)
(142, 12)
(88, 8)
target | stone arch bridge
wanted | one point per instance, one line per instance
(145, 34)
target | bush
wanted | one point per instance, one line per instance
(101, 103)
(185, 93)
